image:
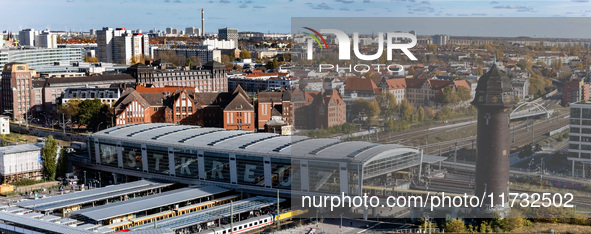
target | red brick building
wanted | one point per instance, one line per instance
(239, 113)
(17, 92)
(317, 110)
(575, 91)
(185, 105)
(272, 104)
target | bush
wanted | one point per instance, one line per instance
(26, 182)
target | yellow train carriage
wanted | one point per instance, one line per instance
(121, 226)
(205, 205)
(152, 218)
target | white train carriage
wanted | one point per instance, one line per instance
(242, 226)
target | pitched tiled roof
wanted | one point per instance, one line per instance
(240, 90)
(239, 103)
(439, 84)
(399, 83)
(462, 83)
(414, 82)
(360, 84)
(270, 96)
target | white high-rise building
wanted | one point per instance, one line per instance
(104, 41)
(26, 37)
(46, 40)
(191, 31)
(219, 44)
(121, 46)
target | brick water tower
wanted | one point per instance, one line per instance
(494, 100)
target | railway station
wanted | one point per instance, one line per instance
(147, 206)
(89, 198)
(177, 210)
(261, 162)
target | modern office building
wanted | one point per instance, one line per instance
(41, 57)
(228, 34)
(204, 53)
(46, 39)
(26, 37)
(219, 44)
(579, 143)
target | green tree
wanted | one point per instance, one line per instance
(62, 163)
(432, 48)
(94, 114)
(408, 112)
(387, 103)
(364, 107)
(514, 221)
(273, 64)
(455, 226)
(188, 62)
(195, 61)
(479, 71)
(464, 93)
(244, 54)
(48, 155)
(526, 151)
(69, 109)
(444, 113)
(421, 114)
(450, 95)
(286, 57)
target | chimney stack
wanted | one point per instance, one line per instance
(202, 22)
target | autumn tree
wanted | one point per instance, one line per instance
(450, 95)
(421, 114)
(464, 93)
(365, 107)
(408, 112)
(432, 48)
(196, 61)
(455, 226)
(387, 103)
(171, 56)
(89, 59)
(48, 156)
(245, 54)
(69, 109)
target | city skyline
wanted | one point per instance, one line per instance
(263, 16)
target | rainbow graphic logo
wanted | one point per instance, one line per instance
(316, 38)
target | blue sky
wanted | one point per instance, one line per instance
(256, 15)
